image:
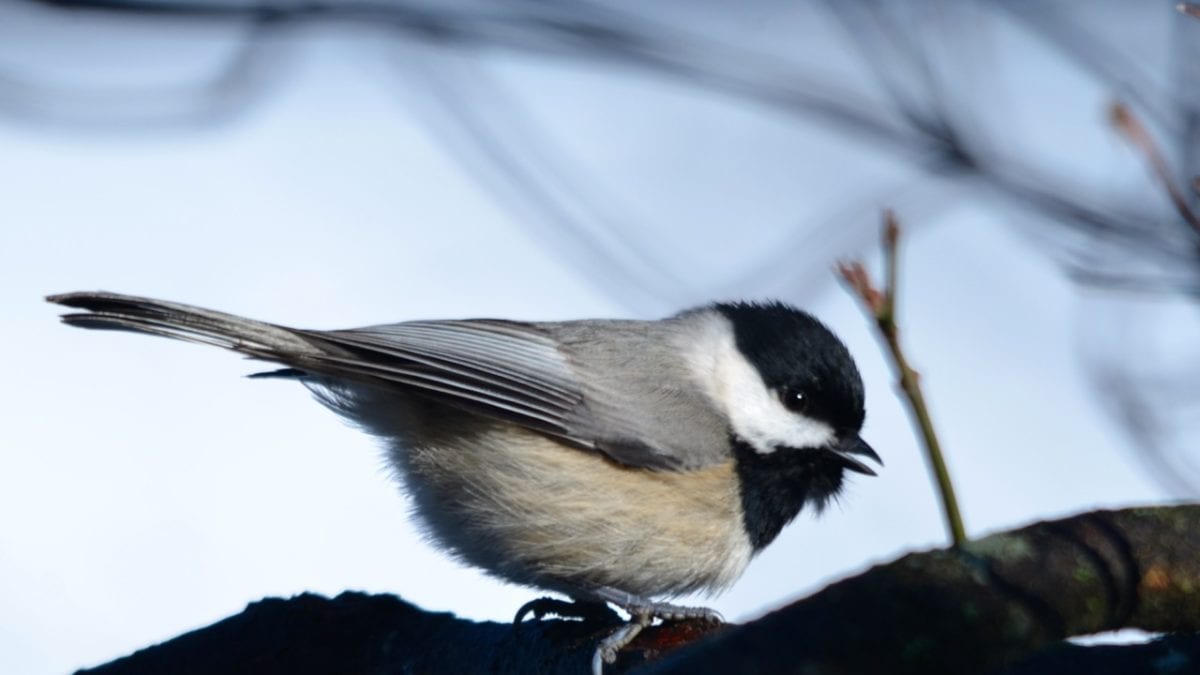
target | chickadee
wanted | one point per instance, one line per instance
(611, 461)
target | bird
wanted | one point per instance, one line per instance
(614, 461)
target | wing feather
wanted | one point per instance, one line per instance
(617, 387)
(458, 348)
(513, 372)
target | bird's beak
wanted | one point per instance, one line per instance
(855, 445)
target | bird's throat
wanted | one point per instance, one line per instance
(776, 486)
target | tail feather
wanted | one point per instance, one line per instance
(329, 356)
(113, 311)
(281, 374)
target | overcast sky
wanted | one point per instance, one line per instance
(148, 488)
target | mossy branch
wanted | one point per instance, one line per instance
(983, 607)
(997, 604)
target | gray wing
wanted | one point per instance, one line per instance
(644, 405)
(618, 387)
(503, 369)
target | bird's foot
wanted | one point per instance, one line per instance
(583, 610)
(639, 607)
(642, 613)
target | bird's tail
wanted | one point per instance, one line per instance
(257, 339)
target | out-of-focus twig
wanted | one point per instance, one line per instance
(1133, 130)
(1189, 8)
(882, 307)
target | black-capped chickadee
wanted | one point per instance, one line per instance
(611, 461)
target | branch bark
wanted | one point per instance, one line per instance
(983, 606)
(996, 603)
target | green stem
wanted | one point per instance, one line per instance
(933, 449)
(886, 318)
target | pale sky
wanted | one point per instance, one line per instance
(148, 488)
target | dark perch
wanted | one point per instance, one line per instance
(1003, 604)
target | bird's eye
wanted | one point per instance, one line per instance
(795, 399)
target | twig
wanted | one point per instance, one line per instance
(1189, 8)
(1129, 126)
(882, 307)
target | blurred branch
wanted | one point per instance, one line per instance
(882, 307)
(1133, 130)
(967, 609)
(1189, 8)
(921, 127)
(1061, 29)
(1128, 283)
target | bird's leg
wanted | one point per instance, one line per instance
(609, 647)
(642, 613)
(638, 606)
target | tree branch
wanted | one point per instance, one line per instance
(980, 607)
(996, 602)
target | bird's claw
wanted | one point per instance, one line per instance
(585, 611)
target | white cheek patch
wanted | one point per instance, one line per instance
(755, 412)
